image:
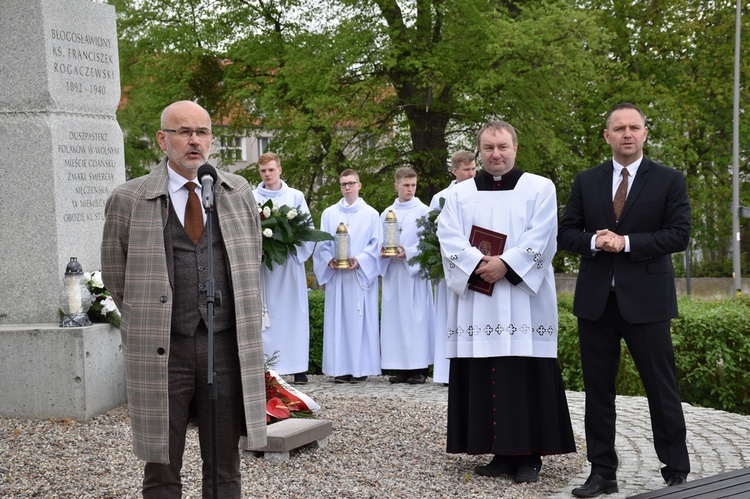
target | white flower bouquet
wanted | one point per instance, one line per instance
(103, 308)
(284, 228)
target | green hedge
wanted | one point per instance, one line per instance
(316, 300)
(712, 349)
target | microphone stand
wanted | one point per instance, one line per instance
(211, 298)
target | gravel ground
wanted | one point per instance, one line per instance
(380, 447)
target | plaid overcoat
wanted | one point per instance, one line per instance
(134, 270)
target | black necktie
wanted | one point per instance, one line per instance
(193, 215)
(622, 192)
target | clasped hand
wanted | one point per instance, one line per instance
(491, 269)
(606, 240)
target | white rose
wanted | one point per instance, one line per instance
(292, 214)
(108, 305)
(276, 205)
(267, 212)
(267, 233)
(96, 279)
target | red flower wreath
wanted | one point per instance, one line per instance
(283, 403)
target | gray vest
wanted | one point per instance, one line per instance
(188, 265)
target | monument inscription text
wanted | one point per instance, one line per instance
(90, 161)
(85, 63)
(84, 70)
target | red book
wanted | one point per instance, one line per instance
(488, 242)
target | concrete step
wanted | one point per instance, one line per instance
(290, 434)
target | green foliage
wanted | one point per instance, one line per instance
(429, 260)
(568, 353)
(712, 348)
(316, 301)
(719, 267)
(672, 58)
(378, 84)
(139, 153)
(712, 353)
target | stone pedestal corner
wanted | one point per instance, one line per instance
(53, 372)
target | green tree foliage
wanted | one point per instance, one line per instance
(372, 85)
(675, 59)
(378, 84)
(169, 50)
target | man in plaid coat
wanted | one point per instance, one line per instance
(155, 272)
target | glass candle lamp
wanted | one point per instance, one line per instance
(390, 233)
(341, 247)
(75, 299)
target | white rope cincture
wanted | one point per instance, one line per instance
(265, 318)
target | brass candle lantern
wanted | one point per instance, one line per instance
(75, 299)
(341, 247)
(390, 233)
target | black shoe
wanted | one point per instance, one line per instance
(343, 379)
(526, 474)
(300, 379)
(676, 479)
(596, 485)
(500, 465)
(399, 378)
(416, 379)
(358, 379)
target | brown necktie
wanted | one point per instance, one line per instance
(622, 192)
(193, 215)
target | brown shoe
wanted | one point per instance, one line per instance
(399, 378)
(417, 379)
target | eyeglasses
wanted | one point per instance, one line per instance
(348, 184)
(186, 133)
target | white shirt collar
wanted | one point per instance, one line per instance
(632, 167)
(177, 181)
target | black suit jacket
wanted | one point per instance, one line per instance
(656, 218)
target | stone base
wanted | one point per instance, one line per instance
(60, 372)
(290, 434)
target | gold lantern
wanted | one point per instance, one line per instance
(75, 299)
(341, 247)
(390, 233)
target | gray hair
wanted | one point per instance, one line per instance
(498, 125)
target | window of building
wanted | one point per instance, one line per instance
(233, 149)
(263, 143)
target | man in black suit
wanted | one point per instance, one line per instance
(625, 217)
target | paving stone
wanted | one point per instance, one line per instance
(718, 441)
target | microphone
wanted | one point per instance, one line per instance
(207, 177)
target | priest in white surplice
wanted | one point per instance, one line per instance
(351, 347)
(408, 313)
(463, 167)
(506, 395)
(284, 289)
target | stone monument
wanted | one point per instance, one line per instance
(61, 154)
